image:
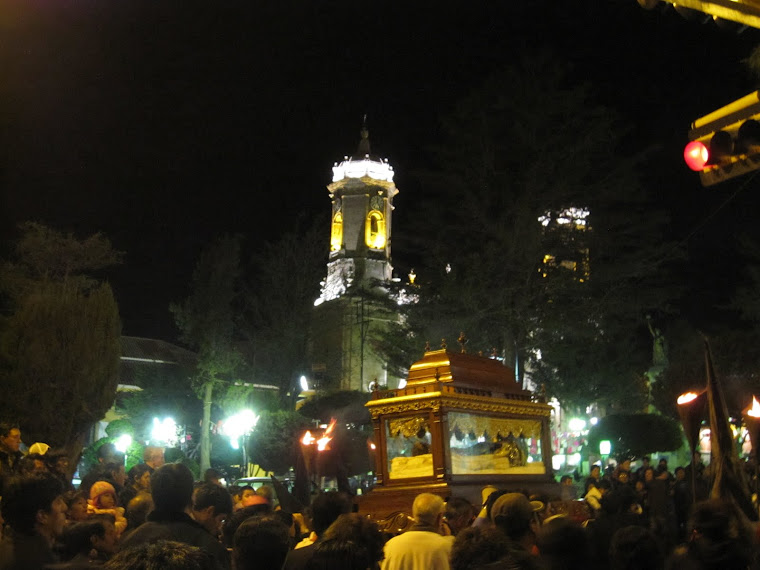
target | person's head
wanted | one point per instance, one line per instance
(645, 461)
(625, 465)
(477, 546)
(10, 436)
(459, 514)
(106, 543)
(103, 495)
(58, 462)
(680, 473)
(138, 509)
(116, 473)
(563, 543)
(107, 453)
(98, 533)
(326, 508)
(260, 543)
(566, 480)
(172, 488)
(76, 505)
(244, 492)
(352, 541)
(427, 509)
(212, 476)
(237, 518)
(648, 475)
(596, 471)
(623, 477)
(633, 548)
(139, 477)
(211, 505)
(153, 456)
(164, 554)
(34, 505)
(267, 492)
(78, 538)
(515, 515)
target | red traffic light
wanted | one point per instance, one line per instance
(696, 155)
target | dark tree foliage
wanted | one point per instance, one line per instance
(281, 285)
(59, 340)
(206, 320)
(345, 406)
(531, 143)
(736, 361)
(274, 443)
(636, 435)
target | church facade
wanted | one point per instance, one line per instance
(352, 309)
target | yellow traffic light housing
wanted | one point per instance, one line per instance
(726, 143)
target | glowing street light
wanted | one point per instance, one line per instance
(304, 384)
(239, 425)
(123, 442)
(164, 431)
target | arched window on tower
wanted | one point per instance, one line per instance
(374, 231)
(336, 235)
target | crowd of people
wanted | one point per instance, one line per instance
(157, 516)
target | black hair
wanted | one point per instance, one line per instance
(172, 487)
(563, 543)
(239, 517)
(25, 496)
(326, 508)
(6, 427)
(635, 547)
(212, 495)
(476, 546)
(77, 537)
(136, 472)
(260, 542)
(164, 554)
(211, 473)
(238, 492)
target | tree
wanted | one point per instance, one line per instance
(206, 322)
(274, 443)
(278, 305)
(528, 244)
(636, 435)
(59, 340)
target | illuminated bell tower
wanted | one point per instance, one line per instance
(358, 270)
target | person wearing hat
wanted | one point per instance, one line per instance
(516, 517)
(103, 501)
(422, 547)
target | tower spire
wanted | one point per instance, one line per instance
(363, 148)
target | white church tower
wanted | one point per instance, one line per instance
(347, 313)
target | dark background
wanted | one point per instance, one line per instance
(165, 123)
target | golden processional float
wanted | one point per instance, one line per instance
(460, 423)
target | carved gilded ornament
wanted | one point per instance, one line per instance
(435, 401)
(479, 425)
(408, 427)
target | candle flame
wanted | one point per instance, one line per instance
(308, 439)
(754, 411)
(686, 398)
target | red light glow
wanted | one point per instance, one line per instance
(696, 155)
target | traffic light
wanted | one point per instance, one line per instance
(726, 143)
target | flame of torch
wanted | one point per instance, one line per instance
(308, 439)
(324, 441)
(754, 411)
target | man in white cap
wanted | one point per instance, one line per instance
(422, 547)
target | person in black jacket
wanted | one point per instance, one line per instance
(172, 490)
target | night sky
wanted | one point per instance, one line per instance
(165, 123)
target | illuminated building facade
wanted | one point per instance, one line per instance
(565, 238)
(348, 313)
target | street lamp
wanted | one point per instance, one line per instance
(237, 426)
(164, 431)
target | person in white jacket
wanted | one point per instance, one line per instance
(596, 492)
